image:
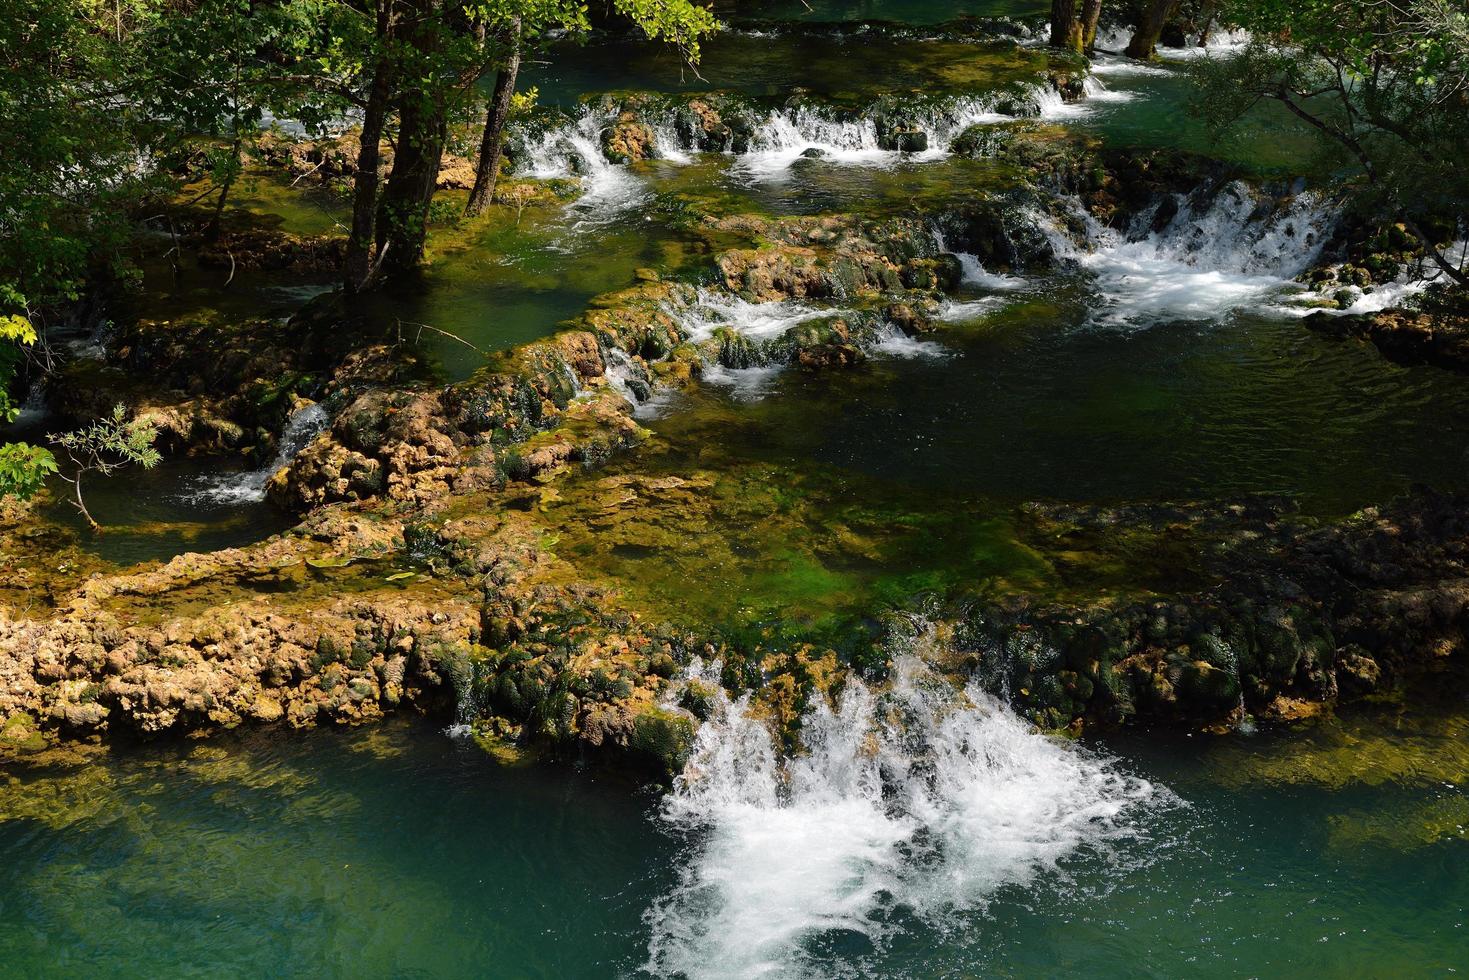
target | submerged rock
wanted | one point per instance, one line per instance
(1296, 616)
(1439, 337)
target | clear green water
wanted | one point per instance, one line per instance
(857, 67)
(159, 513)
(400, 852)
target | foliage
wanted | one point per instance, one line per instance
(1385, 85)
(111, 442)
(23, 469)
(72, 161)
(105, 446)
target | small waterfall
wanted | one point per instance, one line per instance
(1241, 230)
(249, 487)
(918, 801)
(1052, 106)
(789, 135)
(465, 675)
(668, 143)
(575, 151)
(630, 381)
(712, 309)
(975, 274)
(972, 271)
(879, 136)
(1219, 44)
(1217, 253)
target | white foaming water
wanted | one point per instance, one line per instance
(576, 151)
(913, 805)
(745, 384)
(249, 487)
(758, 321)
(667, 144)
(624, 378)
(893, 342)
(1115, 66)
(961, 310)
(1411, 280)
(1238, 250)
(972, 271)
(975, 274)
(1220, 44)
(787, 136)
(1054, 107)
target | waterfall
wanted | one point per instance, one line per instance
(1220, 43)
(575, 150)
(632, 382)
(1053, 107)
(1218, 252)
(788, 135)
(913, 804)
(249, 487)
(712, 309)
(878, 136)
(972, 272)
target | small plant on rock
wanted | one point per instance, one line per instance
(105, 446)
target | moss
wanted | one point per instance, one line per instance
(664, 737)
(20, 733)
(698, 699)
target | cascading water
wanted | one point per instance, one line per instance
(763, 324)
(1218, 253)
(576, 151)
(632, 383)
(249, 487)
(1411, 280)
(912, 806)
(757, 321)
(1052, 106)
(788, 135)
(974, 276)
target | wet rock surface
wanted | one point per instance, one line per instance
(1406, 336)
(1296, 618)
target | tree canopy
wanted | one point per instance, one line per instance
(1385, 85)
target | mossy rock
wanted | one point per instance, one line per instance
(20, 733)
(664, 738)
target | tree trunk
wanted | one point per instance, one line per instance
(81, 505)
(402, 219)
(1459, 276)
(1065, 28)
(1145, 39)
(487, 170)
(212, 232)
(1091, 12)
(357, 264)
